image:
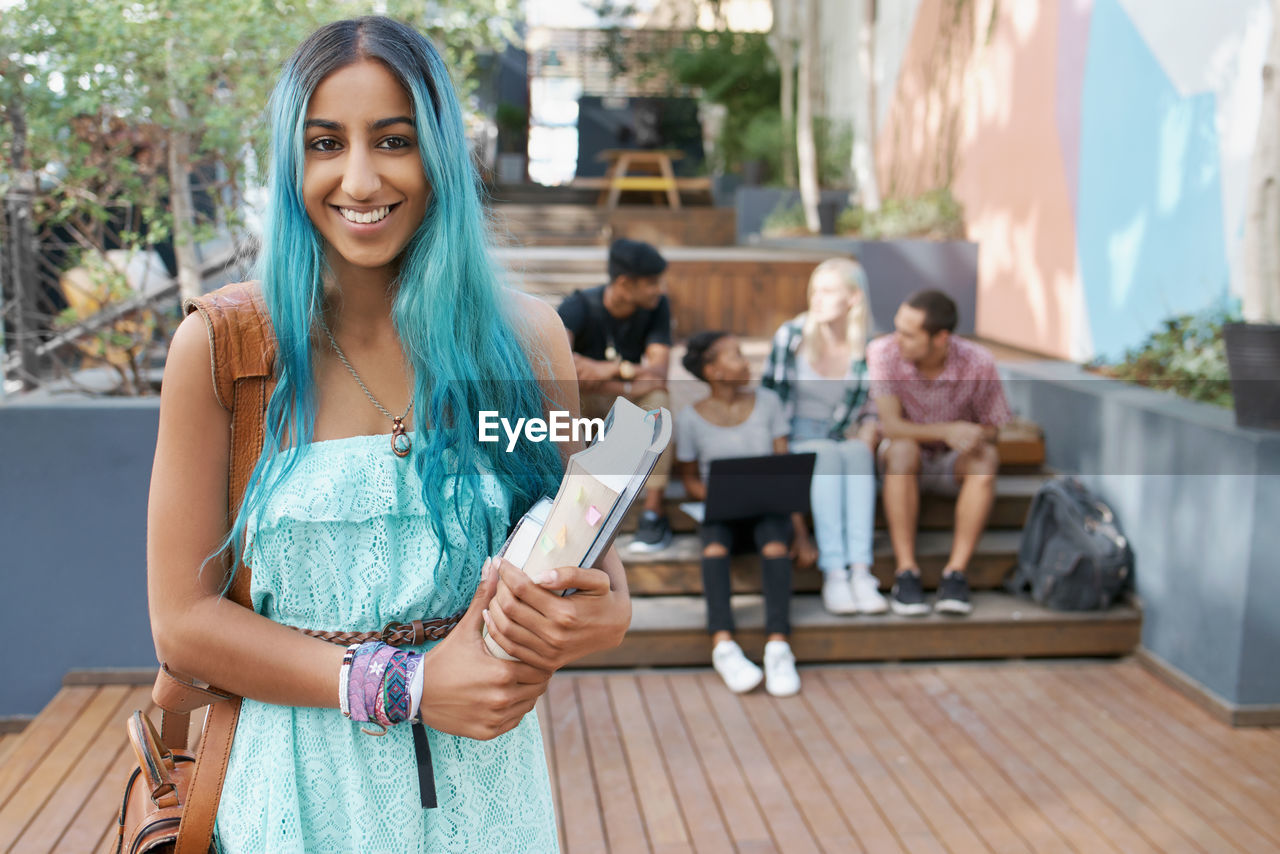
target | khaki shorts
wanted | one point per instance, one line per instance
(937, 468)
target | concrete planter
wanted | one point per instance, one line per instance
(754, 204)
(1253, 357)
(74, 476)
(1199, 498)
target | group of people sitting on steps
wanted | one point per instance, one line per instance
(919, 406)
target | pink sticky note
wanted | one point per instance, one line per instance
(593, 516)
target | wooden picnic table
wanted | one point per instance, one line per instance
(642, 169)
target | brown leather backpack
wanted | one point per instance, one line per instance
(171, 798)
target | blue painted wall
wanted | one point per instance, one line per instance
(1149, 212)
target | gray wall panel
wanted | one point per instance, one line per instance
(73, 497)
(1199, 500)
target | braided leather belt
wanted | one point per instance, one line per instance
(396, 634)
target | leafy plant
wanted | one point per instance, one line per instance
(97, 283)
(935, 214)
(1186, 356)
(762, 141)
(834, 141)
(785, 220)
(738, 71)
(513, 123)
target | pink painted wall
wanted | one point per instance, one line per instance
(976, 100)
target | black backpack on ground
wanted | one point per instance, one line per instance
(1073, 555)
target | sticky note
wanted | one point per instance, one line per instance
(581, 495)
(562, 536)
(546, 543)
(593, 516)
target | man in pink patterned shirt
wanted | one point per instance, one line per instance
(940, 403)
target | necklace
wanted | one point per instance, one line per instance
(400, 441)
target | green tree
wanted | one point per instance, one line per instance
(737, 70)
(196, 75)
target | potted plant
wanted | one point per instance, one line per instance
(513, 142)
(1253, 347)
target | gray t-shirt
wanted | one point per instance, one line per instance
(698, 439)
(814, 396)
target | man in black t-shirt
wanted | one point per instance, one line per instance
(621, 339)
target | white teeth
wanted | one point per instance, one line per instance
(365, 216)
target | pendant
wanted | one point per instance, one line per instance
(610, 354)
(400, 441)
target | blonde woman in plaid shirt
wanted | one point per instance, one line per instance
(817, 366)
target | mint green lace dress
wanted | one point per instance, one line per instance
(344, 544)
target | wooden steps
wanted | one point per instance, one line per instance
(669, 616)
(677, 568)
(550, 225)
(671, 630)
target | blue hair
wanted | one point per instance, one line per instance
(464, 353)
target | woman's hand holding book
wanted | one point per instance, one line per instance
(467, 691)
(533, 622)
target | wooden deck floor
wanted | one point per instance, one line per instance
(1024, 757)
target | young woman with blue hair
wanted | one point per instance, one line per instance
(373, 501)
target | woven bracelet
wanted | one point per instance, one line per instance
(375, 667)
(358, 678)
(395, 688)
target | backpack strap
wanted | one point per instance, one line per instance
(242, 350)
(1031, 543)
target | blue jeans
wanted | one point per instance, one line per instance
(843, 498)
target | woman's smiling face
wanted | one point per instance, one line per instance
(363, 184)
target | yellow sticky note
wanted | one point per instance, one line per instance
(581, 495)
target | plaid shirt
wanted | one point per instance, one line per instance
(780, 373)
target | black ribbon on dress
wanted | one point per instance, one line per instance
(426, 774)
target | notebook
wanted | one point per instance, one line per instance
(600, 484)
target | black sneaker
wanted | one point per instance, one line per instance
(652, 534)
(907, 598)
(953, 594)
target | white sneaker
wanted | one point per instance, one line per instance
(737, 671)
(865, 590)
(780, 677)
(837, 596)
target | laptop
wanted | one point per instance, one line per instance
(743, 487)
